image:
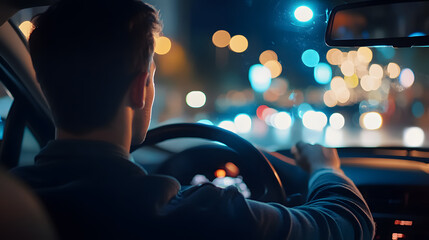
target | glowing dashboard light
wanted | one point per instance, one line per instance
(221, 38)
(232, 169)
(162, 45)
(322, 73)
(267, 55)
(406, 78)
(228, 125)
(310, 58)
(220, 173)
(303, 14)
(282, 120)
(348, 68)
(371, 120)
(393, 70)
(337, 121)
(205, 121)
(397, 236)
(260, 77)
(403, 223)
(314, 120)
(26, 28)
(196, 99)
(364, 55)
(334, 56)
(413, 137)
(238, 43)
(275, 68)
(243, 123)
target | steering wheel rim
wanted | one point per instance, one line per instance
(256, 164)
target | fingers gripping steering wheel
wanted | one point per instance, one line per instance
(257, 171)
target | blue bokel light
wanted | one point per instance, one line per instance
(323, 73)
(310, 58)
(260, 78)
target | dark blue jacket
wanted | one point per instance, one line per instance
(92, 191)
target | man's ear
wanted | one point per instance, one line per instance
(138, 90)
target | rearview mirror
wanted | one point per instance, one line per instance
(396, 23)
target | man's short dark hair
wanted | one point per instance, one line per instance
(86, 53)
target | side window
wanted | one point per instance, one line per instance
(6, 100)
(29, 146)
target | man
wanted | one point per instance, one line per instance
(94, 62)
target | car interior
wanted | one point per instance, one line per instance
(345, 74)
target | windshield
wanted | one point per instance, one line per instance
(263, 70)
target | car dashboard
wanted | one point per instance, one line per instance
(394, 181)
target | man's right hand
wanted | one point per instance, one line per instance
(314, 157)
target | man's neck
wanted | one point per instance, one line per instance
(118, 132)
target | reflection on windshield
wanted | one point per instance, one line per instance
(259, 70)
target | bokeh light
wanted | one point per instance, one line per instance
(348, 68)
(275, 68)
(162, 45)
(393, 70)
(376, 71)
(303, 14)
(243, 123)
(364, 55)
(330, 99)
(406, 78)
(337, 83)
(260, 111)
(322, 73)
(282, 120)
(334, 56)
(418, 109)
(314, 120)
(221, 38)
(195, 99)
(370, 83)
(267, 55)
(413, 137)
(352, 82)
(310, 58)
(260, 77)
(337, 121)
(333, 137)
(26, 28)
(238, 43)
(303, 108)
(228, 125)
(371, 120)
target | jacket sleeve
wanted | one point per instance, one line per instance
(335, 210)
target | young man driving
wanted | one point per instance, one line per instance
(94, 62)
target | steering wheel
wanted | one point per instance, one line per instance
(254, 166)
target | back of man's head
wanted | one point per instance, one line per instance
(86, 53)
